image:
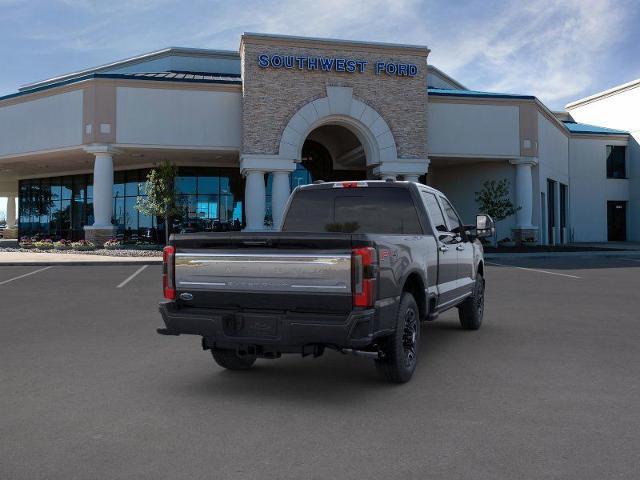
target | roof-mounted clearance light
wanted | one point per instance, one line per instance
(350, 184)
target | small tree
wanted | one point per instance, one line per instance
(494, 200)
(160, 200)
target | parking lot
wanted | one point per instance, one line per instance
(548, 388)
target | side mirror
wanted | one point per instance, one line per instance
(485, 226)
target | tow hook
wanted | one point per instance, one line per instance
(363, 353)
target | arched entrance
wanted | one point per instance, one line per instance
(337, 137)
(333, 152)
(329, 153)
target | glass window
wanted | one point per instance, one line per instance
(131, 214)
(79, 187)
(51, 188)
(186, 184)
(118, 184)
(131, 184)
(434, 211)
(67, 188)
(452, 217)
(208, 185)
(62, 206)
(118, 213)
(90, 186)
(616, 161)
(385, 211)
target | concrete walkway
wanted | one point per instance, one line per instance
(616, 245)
(32, 258)
(635, 254)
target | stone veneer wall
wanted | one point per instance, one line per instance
(271, 96)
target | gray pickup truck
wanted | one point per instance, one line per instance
(356, 267)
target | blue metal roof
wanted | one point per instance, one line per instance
(585, 128)
(445, 92)
(188, 77)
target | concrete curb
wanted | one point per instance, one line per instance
(609, 253)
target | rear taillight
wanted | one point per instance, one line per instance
(168, 272)
(364, 269)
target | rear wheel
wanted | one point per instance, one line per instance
(400, 350)
(230, 360)
(471, 310)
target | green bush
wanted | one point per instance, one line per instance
(43, 244)
(83, 245)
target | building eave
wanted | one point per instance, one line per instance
(318, 42)
(605, 93)
(133, 61)
(448, 78)
(116, 76)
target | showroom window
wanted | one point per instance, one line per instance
(211, 199)
(56, 207)
(59, 207)
(616, 161)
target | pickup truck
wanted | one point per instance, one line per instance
(355, 267)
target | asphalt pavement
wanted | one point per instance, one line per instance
(547, 388)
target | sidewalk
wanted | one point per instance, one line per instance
(35, 259)
(635, 254)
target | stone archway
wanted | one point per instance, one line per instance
(340, 108)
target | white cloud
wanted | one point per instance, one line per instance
(546, 48)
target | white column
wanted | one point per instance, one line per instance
(11, 212)
(254, 199)
(524, 193)
(103, 189)
(280, 191)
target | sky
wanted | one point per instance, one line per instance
(557, 50)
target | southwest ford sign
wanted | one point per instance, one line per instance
(333, 64)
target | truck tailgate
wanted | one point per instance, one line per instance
(265, 272)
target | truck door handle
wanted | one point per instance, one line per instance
(460, 247)
(443, 248)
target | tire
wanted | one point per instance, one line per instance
(400, 350)
(471, 310)
(231, 361)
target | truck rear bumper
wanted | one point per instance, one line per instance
(278, 330)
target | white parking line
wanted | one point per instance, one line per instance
(533, 270)
(25, 275)
(131, 277)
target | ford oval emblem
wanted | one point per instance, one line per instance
(186, 296)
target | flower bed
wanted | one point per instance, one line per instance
(62, 245)
(43, 244)
(83, 245)
(113, 247)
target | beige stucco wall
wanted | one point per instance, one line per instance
(178, 117)
(54, 121)
(271, 96)
(467, 129)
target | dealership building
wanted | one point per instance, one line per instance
(246, 127)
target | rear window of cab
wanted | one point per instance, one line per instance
(353, 210)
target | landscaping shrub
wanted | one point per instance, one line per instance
(83, 245)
